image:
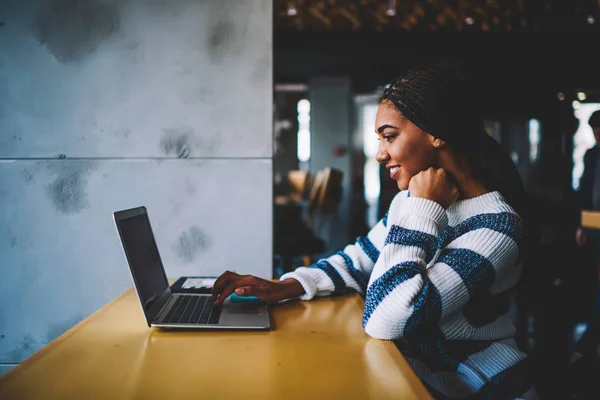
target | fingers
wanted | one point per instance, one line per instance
(258, 291)
(431, 173)
(221, 282)
(232, 285)
(454, 192)
(225, 294)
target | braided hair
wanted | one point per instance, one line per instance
(435, 98)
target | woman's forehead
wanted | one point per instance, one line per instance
(390, 111)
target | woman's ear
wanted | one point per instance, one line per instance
(438, 143)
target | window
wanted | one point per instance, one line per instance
(583, 138)
(304, 131)
(534, 139)
(371, 170)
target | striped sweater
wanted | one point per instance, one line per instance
(438, 283)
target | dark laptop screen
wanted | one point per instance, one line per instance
(144, 259)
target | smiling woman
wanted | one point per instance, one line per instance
(438, 271)
(405, 148)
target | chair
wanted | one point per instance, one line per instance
(294, 235)
(327, 191)
(299, 183)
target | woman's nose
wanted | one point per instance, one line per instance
(382, 155)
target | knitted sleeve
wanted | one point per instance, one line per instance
(347, 270)
(413, 284)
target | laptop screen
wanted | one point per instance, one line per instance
(144, 259)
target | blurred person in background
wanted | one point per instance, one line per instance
(589, 199)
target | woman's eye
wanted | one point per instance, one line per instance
(389, 138)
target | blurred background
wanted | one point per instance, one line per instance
(535, 70)
(249, 125)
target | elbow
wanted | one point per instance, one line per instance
(384, 329)
(382, 335)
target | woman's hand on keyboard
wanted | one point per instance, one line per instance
(248, 285)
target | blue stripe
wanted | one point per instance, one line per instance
(333, 274)
(477, 274)
(444, 236)
(484, 308)
(409, 237)
(511, 383)
(385, 218)
(386, 284)
(368, 247)
(357, 275)
(474, 269)
(439, 353)
(506, 223)
(427, 312)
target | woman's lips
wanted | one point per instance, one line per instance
(394, 172)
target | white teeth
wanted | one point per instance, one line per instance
(394, 169)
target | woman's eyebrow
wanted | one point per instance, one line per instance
(383, 127)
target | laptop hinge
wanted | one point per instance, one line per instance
(158, 305)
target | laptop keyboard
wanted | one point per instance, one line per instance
(193, 310)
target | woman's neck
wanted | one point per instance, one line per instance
(470, 188)
(460, 171)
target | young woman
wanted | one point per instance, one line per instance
(437, 271)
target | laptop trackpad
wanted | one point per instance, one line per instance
(242, 309)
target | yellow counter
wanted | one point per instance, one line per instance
(315, 350)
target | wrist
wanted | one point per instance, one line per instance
(429, 197)
(292, 288)
(423, 207)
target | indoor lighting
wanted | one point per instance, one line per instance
(391, 10)
(291, 11)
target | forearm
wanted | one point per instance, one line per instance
(292, 288)
(347, 270)
(399, 277)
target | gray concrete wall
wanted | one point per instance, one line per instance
(107, 105)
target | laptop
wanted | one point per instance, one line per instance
(164, 307)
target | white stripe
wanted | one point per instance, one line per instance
(337, 262)
(449, 383)
(361, 261)
(416, 223)
(394, 254)
(450, 286)
(531, 394)
(507, 280)
(473, 373)
(378, 234)
(314, 281)
(390, 316)
(496, 206)
(493, 360)
(397, 253)
(457, 327)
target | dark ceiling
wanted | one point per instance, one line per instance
(520, 69)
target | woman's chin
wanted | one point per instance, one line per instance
(402, 185)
